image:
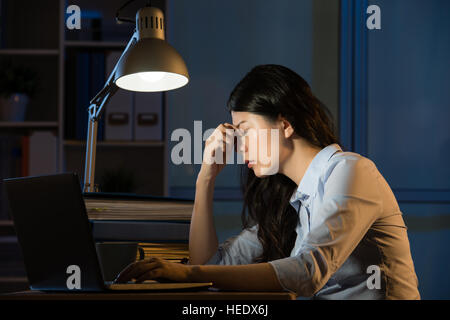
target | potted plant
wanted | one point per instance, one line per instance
(18, 84)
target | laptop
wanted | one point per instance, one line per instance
(55, 237)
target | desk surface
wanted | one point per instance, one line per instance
(135, 295)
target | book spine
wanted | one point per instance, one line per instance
(3, 160)
(6, 171)
(97, 82)
(71, 96)
(2, 25)
(83, 98)
(17, 157)
(25, 141)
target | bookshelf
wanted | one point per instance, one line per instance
(45, 44)
(29, 52)
(95, 44)
(112, 143)
(29, 124)
(38, 39)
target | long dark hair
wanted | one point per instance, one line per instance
(270, 91)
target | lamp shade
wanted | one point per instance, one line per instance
(151, 64)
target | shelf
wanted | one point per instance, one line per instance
(95, 44)
(29, 125)
(30, 52)
(7, 230)
(150, 144)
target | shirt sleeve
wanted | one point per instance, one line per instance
(351, 204)
(240, 249)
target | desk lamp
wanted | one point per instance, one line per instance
(148, 64)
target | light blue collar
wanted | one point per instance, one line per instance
(308, 184)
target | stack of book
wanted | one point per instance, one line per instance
(159, 225)
(174, 252)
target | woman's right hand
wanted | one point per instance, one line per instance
(217, 142)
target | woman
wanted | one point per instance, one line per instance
(318, 221)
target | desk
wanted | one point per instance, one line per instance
(198, 295)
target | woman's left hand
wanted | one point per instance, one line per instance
(155, 268)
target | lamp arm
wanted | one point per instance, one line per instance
(110, 88)
(95, 109)
(120, 19)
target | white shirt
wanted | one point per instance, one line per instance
(350, 232)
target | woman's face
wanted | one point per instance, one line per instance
(262, 142)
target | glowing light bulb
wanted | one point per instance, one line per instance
(151, 76)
